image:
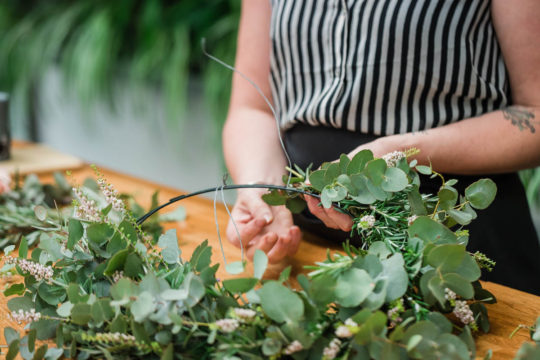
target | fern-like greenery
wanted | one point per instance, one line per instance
(94, 43)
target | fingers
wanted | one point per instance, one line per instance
(330, 217)
(265, 243)
(280, 249)
(343, 221)
(296, 237)
(261, 211)
(318, 211)
(246, 230)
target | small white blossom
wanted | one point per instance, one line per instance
(463, 312)
(85, 208)
(330, 352)
(227, 325)
(350, 322)
(111, 195)
(244, 314)
(367, 221)
(293, 347)
(343, 331)
(38, 271)
(22, 316)
(411, 219)
(449, 294)
(393, 158)
(117, 275)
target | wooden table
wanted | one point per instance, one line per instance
(513, 308)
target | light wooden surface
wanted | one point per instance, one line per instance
(513, 307)
(37, 158)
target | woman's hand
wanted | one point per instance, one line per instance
(260, 226)
(333, 218)
(330, 217)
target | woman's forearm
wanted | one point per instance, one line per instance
(497, 142)
(251, 147)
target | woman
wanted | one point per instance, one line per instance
(387, 75)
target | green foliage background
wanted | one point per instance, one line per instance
(154, 43)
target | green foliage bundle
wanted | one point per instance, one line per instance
(153, 43)
(101, 289)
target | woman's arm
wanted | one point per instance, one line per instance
(251, 143)
(250, 137)
(500, 141)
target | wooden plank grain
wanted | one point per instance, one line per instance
(513, 307)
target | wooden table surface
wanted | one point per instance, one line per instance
(513, 308)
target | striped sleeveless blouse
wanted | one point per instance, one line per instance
(384, 66)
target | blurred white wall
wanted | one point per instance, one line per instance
(134, 138)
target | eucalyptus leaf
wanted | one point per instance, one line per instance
(23, 248)
(75, 231)
(241, 285)
(353, 287)
(394, 180)
(481, 193)
(143, 306)
(429, 230)
(235, 268)
(260, 262)
(280, 303)
(359, 161)
(317, 180)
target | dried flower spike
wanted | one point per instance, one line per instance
(38, 271)
(85, 208)
(22, 316)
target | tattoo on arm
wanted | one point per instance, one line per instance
(521, 117)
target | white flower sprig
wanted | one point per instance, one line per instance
(38, 271)
(85, 209)
(463, 312)
(117, 275)
(245, 315)
(22, 316)
(111, 195)
(393, 158)
(330, 352)
(227, 325)
(293, 347)
(367, 221)
(348, 329)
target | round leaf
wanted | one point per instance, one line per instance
(394, 180)
(481, 193)
(353, 287)
(280, 303)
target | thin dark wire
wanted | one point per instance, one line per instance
(226, 187)
(232, 68)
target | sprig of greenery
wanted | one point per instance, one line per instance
(112, 295)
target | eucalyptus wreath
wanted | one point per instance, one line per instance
(100, 287)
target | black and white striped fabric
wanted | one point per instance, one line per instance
(384, 66)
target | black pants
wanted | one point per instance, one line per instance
(504, 231)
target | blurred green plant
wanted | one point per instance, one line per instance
(531, 181)
(95, 43)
